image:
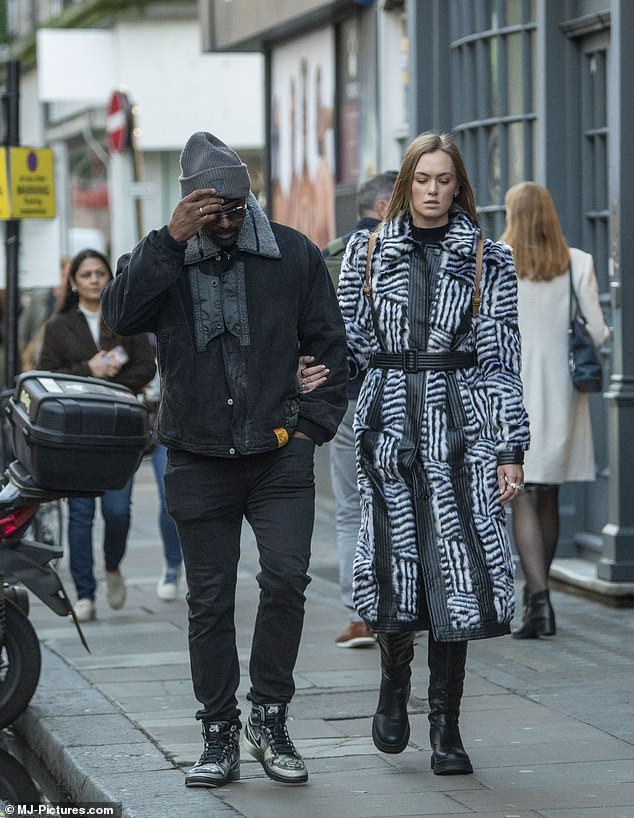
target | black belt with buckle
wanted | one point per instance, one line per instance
(415, 360)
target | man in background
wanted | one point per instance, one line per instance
(373, 197)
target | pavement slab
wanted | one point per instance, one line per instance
(118, 724)
(535, 796)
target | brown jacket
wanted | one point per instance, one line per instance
(68, 346)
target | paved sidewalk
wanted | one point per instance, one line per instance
(549, 724)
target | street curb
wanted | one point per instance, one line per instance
(579, 577)
(97, 754)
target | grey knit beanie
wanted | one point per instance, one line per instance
(207, 162)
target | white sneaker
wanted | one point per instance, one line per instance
(85, 610)
(115, 589)
(167, 586)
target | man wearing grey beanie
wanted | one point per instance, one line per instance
(233, 300)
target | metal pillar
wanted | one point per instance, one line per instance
(11, 100)
(429, 101)
(617, 563)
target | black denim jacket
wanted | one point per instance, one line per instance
(235, 394)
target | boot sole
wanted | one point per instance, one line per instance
(359, 642)
(208, 782)
(518, 635)
(390, 748)
(535, 634)
(451, 768)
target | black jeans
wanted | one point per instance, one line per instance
(209, 497)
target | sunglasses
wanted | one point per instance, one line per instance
(233, 214)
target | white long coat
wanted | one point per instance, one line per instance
(561, 435)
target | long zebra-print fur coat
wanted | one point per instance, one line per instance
(433, 549)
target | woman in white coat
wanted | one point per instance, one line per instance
(561, 434)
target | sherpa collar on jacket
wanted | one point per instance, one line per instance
(461, 238)
(255, 237)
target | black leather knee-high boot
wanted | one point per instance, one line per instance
(390, 726)
(446, 679)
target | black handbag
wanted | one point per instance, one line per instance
(583, 359)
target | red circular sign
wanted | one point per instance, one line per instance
(118, 122)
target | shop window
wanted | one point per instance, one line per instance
(493, 97)
(594, 158)
(475, 16)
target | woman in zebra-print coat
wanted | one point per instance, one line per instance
(440, 436)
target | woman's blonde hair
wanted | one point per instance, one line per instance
(430, 142)
(534, 232)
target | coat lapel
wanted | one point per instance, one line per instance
(451, 302)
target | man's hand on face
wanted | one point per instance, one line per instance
(193, 212)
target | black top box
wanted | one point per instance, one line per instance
(76, 434)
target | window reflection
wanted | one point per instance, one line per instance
(494, 73)
(514, 12)
(516, 152)
(494, 164)
(515, 73)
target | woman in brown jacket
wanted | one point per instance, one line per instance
(78, 342)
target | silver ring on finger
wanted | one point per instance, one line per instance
(201, 211)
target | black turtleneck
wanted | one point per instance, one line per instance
(430, 235)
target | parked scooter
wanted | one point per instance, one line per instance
(28, 562)
(79, 437)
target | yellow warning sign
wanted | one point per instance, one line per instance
(32, 183)
(5, 210)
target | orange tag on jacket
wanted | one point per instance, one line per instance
(282, 437)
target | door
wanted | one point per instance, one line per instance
(593, 229)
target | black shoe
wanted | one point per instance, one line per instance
(539, 619)
(220, 759)
(448, 756)
(266, 738)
